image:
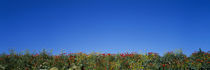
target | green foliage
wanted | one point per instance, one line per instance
(96, 61)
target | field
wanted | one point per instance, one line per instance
(44, 60)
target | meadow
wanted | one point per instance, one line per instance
(44, 60)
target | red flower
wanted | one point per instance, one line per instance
(57, 57)
(122, 55)
(170, 53)
(150, 53)
(201, 60)
(131, 55)
(206, 53)
(103, 54)
(198, 60)
(163, 65)
(36, 55)
(108, 54)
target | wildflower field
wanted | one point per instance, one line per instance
(44, 60)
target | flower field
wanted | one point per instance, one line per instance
(44, 60)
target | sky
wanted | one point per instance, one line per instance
(106, 26)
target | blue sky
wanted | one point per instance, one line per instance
(105, 25)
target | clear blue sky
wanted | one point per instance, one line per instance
(105, 25)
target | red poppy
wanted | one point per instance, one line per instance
(72, 57)
(170, 53)
(201, 60)
(198, 60)
(163, 65)
(150, 53)
(108, 54)
(206, 53)
(122, 55)
(57, 57)
(193, 53)
(131, 55)
(103, 54)
(36, 55)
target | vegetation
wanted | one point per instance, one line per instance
(44, 60)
